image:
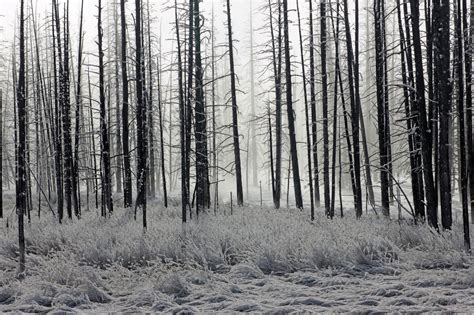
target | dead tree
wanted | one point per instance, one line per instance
(324, 86)
(21, 145)
(182, 121)
(277, 46)
(463, 172)
(314, 119)
(202, 163)
(127, 187)
(419, 105)
(441, 52)
(306, 110)
(381, 105)
(141, 110)
(75, 184)
(104, 134)
(235, 114)
(290, 112)
(354, 114)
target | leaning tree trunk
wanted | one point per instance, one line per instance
(306, 111)
(290, 112)
(235, 126)
(354, 115)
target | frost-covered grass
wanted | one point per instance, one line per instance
(93, 261)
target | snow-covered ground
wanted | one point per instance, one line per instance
(259, 260)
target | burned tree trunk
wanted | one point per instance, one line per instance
(419, 105)
(306, 111)
(290, 111)
(127, 185)
(21, 145)
(381, 106)
(104, 143)
(202, 163)
(141, 110)
(235, 126)
(441, 50)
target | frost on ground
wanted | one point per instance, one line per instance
(257, 260)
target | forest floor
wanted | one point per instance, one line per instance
(257, 260)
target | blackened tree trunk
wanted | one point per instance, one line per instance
(324, 86)
(182, 123)
(468, 51)
(202, 163)
(354, 115)
(335, 118)
(277, 64)
(189, 93)
(58, 97)
(441, 50)
(75, 184)
(306, 111)
(162, 141)
(104, 143)
(367, 167)
(66, 118)
(463, 173)
(235, 126)
(381, 108)
(141, 110)
(21, 145)
(290, 111)
(151, 136)
(314, 119)
(127, 185)
(410, 119)
(419, 105)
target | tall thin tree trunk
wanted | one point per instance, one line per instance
(21, 168)
(463, 173)
(324, 86)
(290, 111)
(235, 126)
(202, 163)
(182, 124)
(277, 64)
(127, 189)
(354, 114)
(381, 108)
(314, 119)
(104, 143)
(141, 116)
(306, 111)
(419, 104)
(75, 184)
(443, 91)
